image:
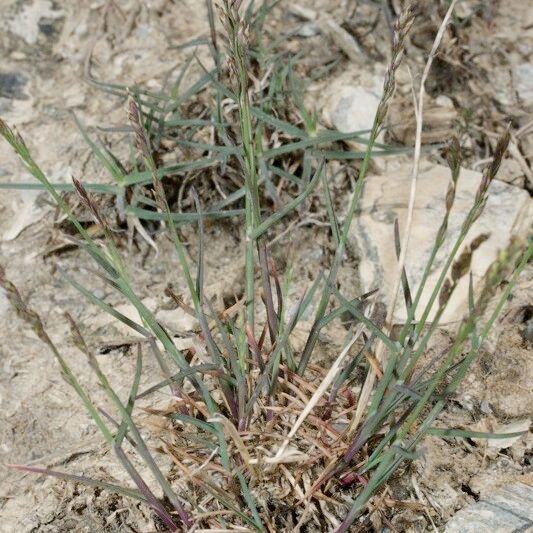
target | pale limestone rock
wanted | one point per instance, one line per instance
(352, 108)
(26, 212)
(25, 23)
(513, 427)
(349, 104)
(385, 198)
(523, 83)
(129, 311)
(328, 26)
(177, 320)
(505, 511)
(174, 320)
(349, 101)
(4, 303)
(439, 117)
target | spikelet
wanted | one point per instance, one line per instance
(89, 203)
(401, 30)
(140, 139)
(23, 311)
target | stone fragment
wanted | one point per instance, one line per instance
(26, 212)
(4, 303)
(349, 104)
(352, 108)
(29, 20)
(340, 37)
(503, 86)
(385, 198)
(176, 320)
(527, 334)
(104, 320)
(439, 117)
(328, 26)
(12, 85)
(523, 83)
(507, 510)
(507, 442)
(309, 29)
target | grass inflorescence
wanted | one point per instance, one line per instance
(261, 437)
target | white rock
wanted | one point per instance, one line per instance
(385, 198)
(128, 310)
(349, 104)
(523, 82)
(26, 21)
(308, 30)
(177, 320)
(352, 108)
(340, 37)
(464, 10)
(328, 26)
(514, 427)
(505, 511)
(25, 213)
(502, 82)
(4, 303)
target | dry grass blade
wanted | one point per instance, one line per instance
(320, 391)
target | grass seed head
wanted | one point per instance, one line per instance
(140, 139)
(89, 203)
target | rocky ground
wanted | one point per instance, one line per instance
(51, 54)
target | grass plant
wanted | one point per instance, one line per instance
(250, 416)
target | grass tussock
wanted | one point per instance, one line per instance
(262, 438)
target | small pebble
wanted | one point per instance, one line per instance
(528, 331)
(485, 407)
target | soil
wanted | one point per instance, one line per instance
(48, 50)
